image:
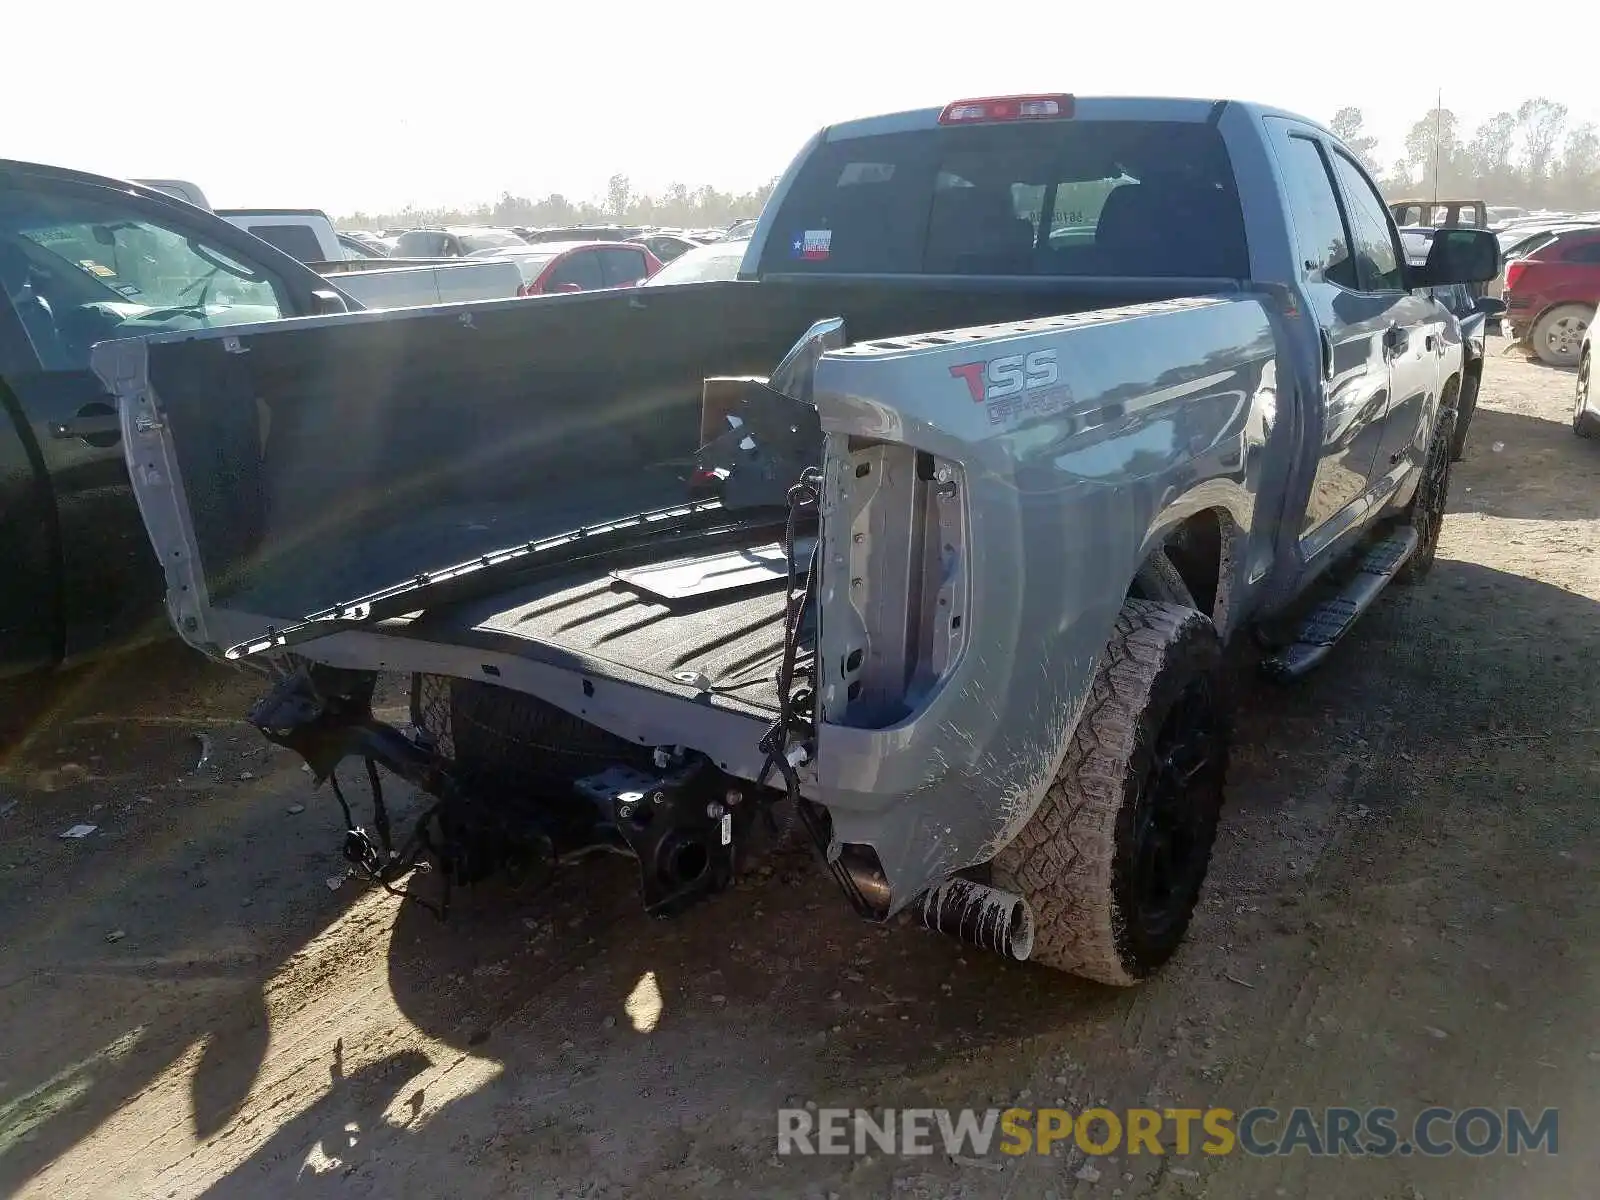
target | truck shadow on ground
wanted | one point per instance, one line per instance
(650, 1057)
(156, 936)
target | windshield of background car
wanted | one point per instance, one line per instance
(1521, 245)
(473, 242)
(133, 259)
(720, 260)
(1074, 198)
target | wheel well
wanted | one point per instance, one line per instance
(1199, 549)
(1452, 389)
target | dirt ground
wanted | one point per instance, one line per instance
(1404, 911)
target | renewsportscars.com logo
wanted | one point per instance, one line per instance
(1261, 1132)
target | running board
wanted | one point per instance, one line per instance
(1335, 617)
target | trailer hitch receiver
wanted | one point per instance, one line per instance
(681, 826)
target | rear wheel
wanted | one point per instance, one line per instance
(1425, 514)
(1112, 861)
(1557, 336)
(1584, 421)
(1466, 405)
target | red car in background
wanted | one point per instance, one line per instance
(1551, 295)
(551, 267)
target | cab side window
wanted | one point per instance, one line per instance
(1379, 267)
(1323, 240)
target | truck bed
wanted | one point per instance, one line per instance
(708, 626)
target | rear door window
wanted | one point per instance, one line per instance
(1084, 198)
(621, 266)
(581, 267)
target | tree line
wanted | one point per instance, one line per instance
(679, 206)
(1534, 157)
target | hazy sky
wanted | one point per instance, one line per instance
(346, 104)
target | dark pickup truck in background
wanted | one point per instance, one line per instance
(84, 259)
(1053, 398)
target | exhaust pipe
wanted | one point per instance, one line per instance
(981, 916)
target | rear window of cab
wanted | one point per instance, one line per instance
(1085, 198)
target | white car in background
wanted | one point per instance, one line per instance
(719, 260)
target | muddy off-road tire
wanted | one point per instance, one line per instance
(1425, 513)
(1112, 861)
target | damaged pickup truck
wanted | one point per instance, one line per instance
(924, 538)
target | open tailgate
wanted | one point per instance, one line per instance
(286, 468)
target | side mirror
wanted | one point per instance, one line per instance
(1490, 306)
(564, 287)
(1458, 255)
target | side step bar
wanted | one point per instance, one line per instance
(1333, 618)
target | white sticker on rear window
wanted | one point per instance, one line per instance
(812, 244)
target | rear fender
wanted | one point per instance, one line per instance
(989, 495)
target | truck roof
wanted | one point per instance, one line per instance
(1092, 108)
(271, 212)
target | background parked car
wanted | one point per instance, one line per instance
(1440, 214)
(1551, 295)
(719, 260)
(368, 239)
(667, 246)
(356, 249)
(584, 233)
(1521, 239)
(378, 281)
(453, 241)
(551, 267)
(85, 259)
(305, 233)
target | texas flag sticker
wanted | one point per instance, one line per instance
(812, 244)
